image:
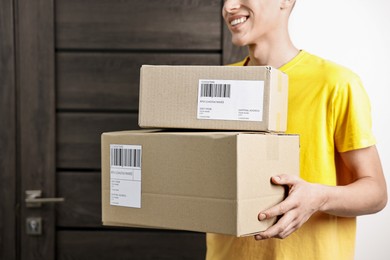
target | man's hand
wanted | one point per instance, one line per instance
(304, 200)
(361, 190)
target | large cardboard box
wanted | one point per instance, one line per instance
(198, 181)
(213, 97)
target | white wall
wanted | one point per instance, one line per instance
(356, 34)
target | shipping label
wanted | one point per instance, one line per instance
(125, 175)
(230, 100)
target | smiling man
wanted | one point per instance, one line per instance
(341, 175)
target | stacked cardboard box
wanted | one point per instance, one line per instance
(213, 97)
(201, 180)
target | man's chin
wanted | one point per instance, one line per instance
(240, 42)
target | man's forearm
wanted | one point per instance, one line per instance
(364, 196)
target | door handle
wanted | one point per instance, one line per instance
(33, 199)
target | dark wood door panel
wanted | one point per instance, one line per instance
(110, 81)
(139, 24)
(8, 198)
(35, 72)
(82, 205)
(140, 245)
(78, 136)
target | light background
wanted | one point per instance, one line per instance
(356, 34)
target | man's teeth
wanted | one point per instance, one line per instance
(237, 21)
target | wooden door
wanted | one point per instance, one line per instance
(7, 133)
(36, 117)
(77, 71)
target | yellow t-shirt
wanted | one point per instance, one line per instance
(329, 108)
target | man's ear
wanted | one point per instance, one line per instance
(287, 4)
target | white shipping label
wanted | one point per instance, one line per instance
(125, 175)
(231, 100)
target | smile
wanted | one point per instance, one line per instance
(238, 21)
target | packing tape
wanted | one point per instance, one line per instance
(278, 116)
(280, 81)
(273, 147)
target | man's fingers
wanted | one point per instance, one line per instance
(285, 179)
(284, 206)
(282, 229)
(275, 211)
(286, 224)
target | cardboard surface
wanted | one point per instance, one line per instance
(250, 98)
(199, 181)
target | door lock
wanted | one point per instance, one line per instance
(34, 226)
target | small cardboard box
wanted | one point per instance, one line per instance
(250, 98)
(198, 181)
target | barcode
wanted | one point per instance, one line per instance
(215, 90)
(126, 157)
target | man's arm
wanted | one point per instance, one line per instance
(362, 191)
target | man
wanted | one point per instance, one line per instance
(341, 175)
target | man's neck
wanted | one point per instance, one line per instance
(274, 54)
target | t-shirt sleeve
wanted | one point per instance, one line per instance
(352, 117)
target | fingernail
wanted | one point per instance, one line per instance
(258, 237)
(262, 216)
